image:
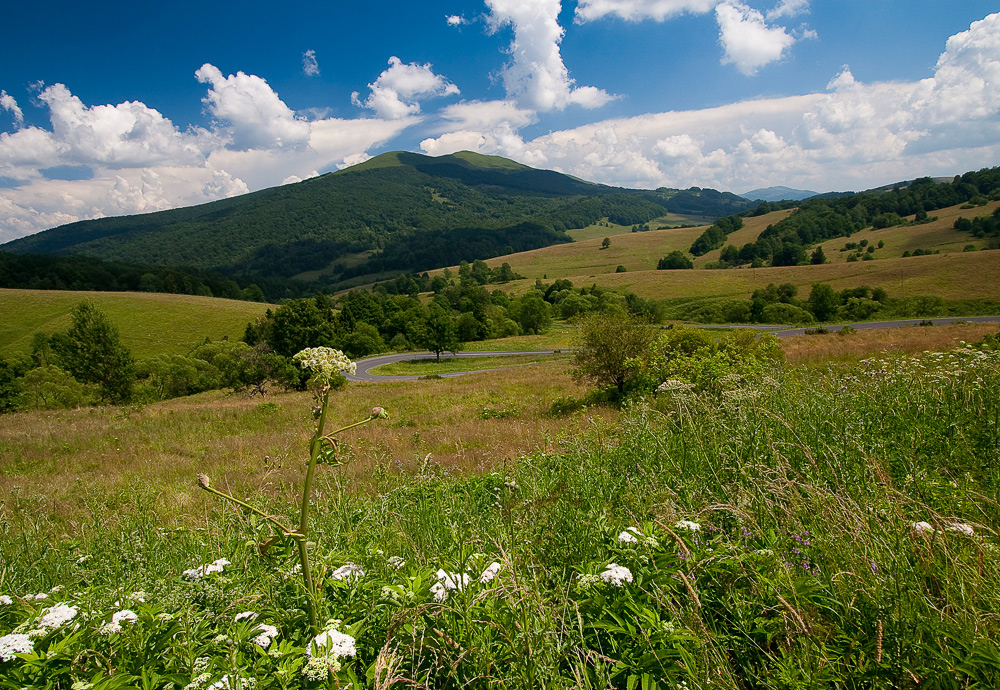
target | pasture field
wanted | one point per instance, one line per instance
(149, 323)
(955, 276)
(818, 527)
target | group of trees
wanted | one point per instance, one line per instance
(362, 323)
(779, 304)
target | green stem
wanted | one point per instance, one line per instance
(314, 449)
(284, 530)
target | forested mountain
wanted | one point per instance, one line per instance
(398, 211)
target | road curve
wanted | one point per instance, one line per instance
(364, 366)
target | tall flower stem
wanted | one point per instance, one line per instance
(315, 446)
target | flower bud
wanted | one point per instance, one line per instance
(379, 413)
(203, 481)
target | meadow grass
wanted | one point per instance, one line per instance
(149, 323)
(818, 527)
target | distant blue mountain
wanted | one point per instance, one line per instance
(778, 194)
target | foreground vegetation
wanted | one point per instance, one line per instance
(806, 528)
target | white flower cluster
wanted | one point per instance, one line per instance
(350, 571)
(332, 642)
(203, 570)
(266, 634)
(961, 527)
(674, 386)
(14, 643)
(57, 616)
(324, 362)
(628, 536)
(616, 575)
(396, 562)
(448, 582)
(5, 600)
(688, 525)
(491, 572)
(115, 626)
(246, 614)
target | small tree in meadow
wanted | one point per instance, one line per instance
(606, 343)
(92, 352)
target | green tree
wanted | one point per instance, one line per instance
(606, 243)
(817, 257)
(92, 351)
(50, 388)
(438, 332)
(532, 313)
(823, 301)
(605, 344)
(674, 260)
(299, 324)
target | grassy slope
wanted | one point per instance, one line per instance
(953, 274)
(149, 323)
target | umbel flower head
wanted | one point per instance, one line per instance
(324, 362)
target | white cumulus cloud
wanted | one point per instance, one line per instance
(396, 92)
(851, 136)
(456, 20)
(638, 10)
(257, 117)
(536, 76)
(746, 39)
(8, 103)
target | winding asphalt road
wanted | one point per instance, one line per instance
(364, 366)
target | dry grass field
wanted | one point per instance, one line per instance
(256, 447)
(149, 323)
(833, 347)
(968, 275)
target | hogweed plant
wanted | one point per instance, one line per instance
(325, 363)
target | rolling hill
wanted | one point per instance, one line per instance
(396, 212)
(149, 323)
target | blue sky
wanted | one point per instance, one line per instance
(137, 108)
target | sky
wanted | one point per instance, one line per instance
(141, 107)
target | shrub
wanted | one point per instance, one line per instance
(780, 312)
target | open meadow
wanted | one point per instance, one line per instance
(828, 525)
(150, 323)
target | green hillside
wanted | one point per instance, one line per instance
(407, 211)
(149, 323)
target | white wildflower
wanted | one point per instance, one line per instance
(111, 628)
(349, 571)
(14, 644)
(5, 600)
(616, 574)
(125, 616)
(961, 527)
(490, 572)
(627, 537)
(332, 643)
(325, 362)
(448, 582)
(922, 527)
(57, 616)
(203, 570)
(688, 525)
(139, 596)
(83, 559)
(586, 581)
(57, 588)
(246, 614)
(395, 562)
(673, 386)
(37, 597)
(267, 633)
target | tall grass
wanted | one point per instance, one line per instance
(818, 528)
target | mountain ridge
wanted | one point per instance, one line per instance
(388, 209)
